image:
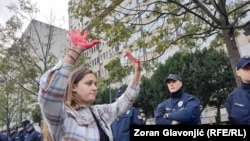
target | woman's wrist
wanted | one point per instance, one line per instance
(71, 49)
(79, 50)
(75, 52)
(72, 55)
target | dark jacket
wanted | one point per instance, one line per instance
(182, 107)
(3, 137)
(238, 105)
(121, 126)
(11, 136)
(33, 135)
(19, 136)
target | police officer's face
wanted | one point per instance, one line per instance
(244, 74)
(174, 85)
(29, 128)
(20, 129)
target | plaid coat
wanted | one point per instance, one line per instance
(70, 125)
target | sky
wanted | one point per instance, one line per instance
(57, 8)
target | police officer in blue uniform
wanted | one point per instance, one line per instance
(12, 133)
(121, 126)
(3, 137)
(238, 101)
(19, 135)
(180, 107)
(32, 134)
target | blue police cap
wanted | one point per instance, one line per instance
(173, 77)
(243, 62)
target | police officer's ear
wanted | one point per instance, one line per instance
(181, 83)
(238, 73)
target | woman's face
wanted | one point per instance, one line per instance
(86, 89)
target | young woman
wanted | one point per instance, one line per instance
(66, 96)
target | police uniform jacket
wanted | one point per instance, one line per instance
(238, 105)
(182, 107)
(121, 126)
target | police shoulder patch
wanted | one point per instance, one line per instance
(180, 103)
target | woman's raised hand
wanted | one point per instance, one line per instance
(135, 61)
(77, 39)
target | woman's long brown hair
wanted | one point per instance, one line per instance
(45, 131)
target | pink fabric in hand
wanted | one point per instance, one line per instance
(131, 57)
(77, 39)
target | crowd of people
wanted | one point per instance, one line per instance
(25, 131)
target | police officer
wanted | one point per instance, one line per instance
(12, 133)
(32, 134)
(121, 126)
(180, 107)
(3, 137)
(19, 135)
(238, 102)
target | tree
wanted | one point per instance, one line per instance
(160, 25)
(27, 55)
(12, 100)
(146, 99)
(117, 71)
